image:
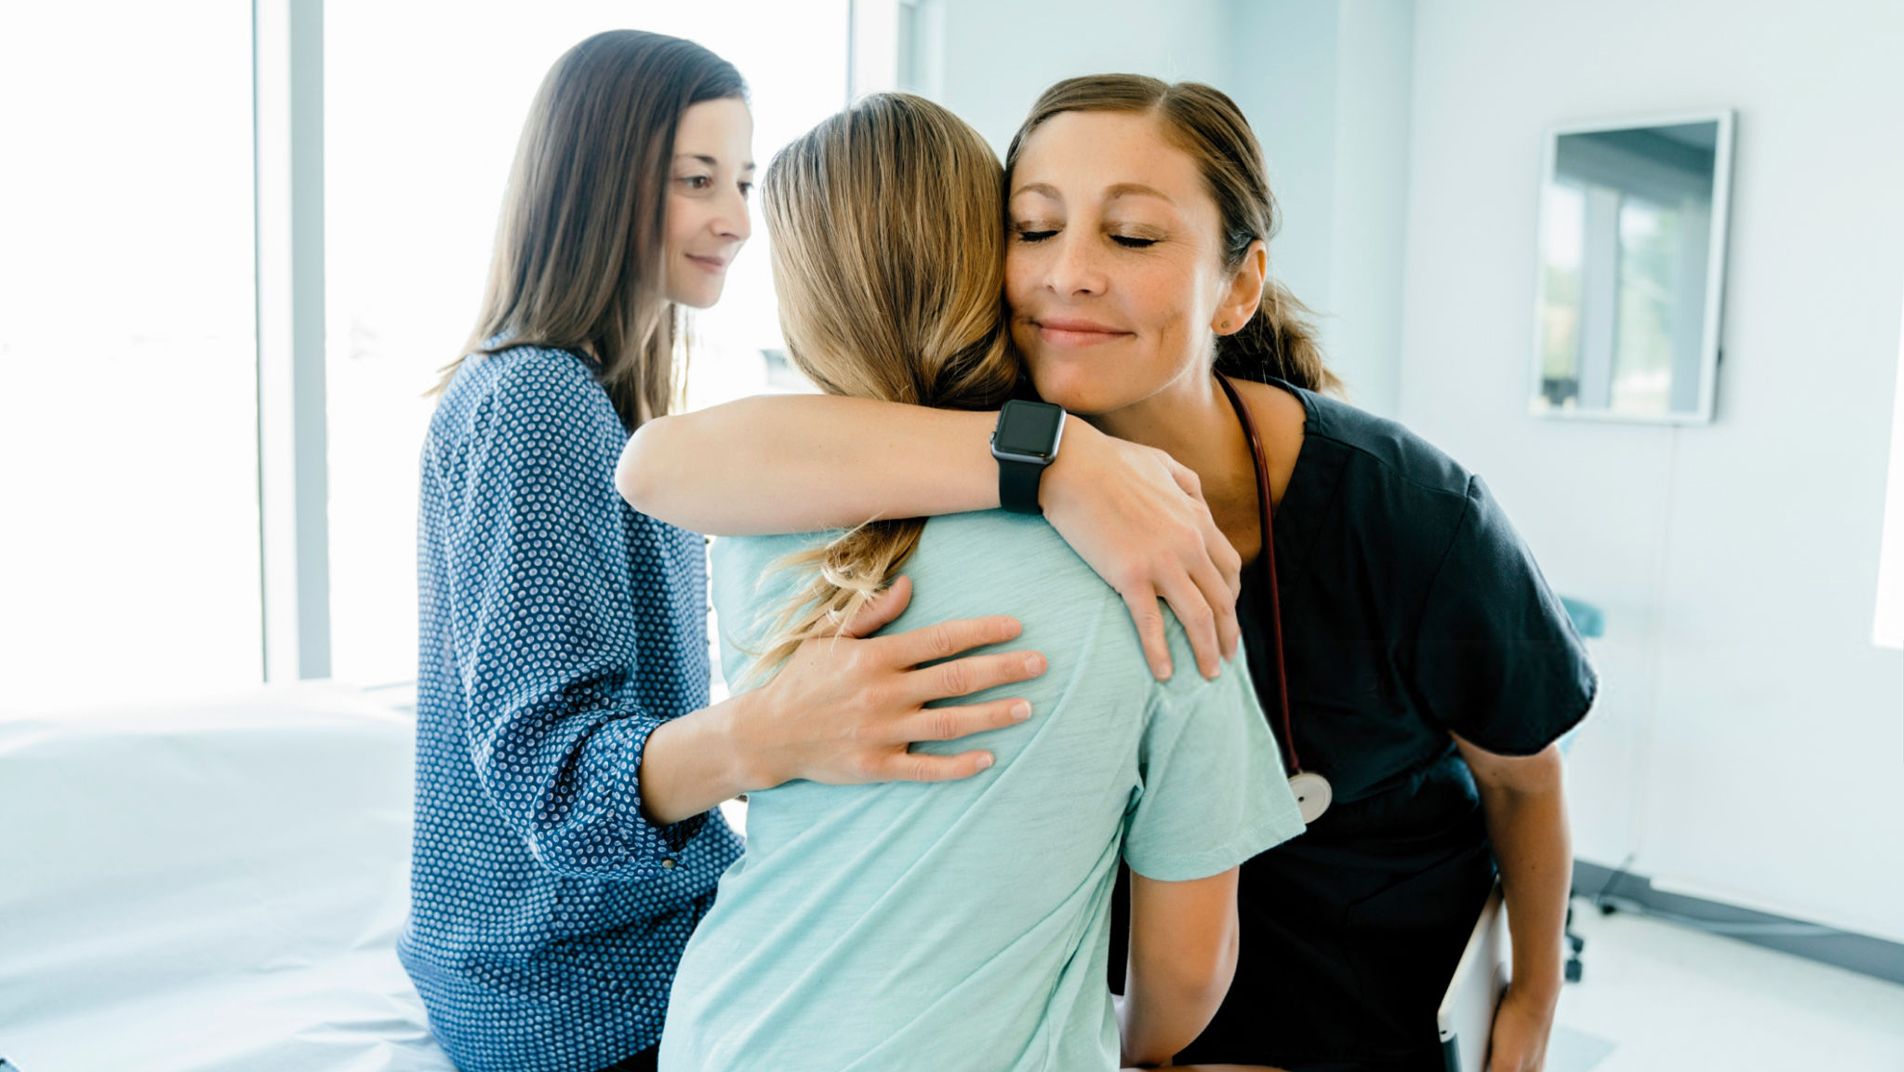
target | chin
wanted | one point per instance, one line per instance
(1078, 388)
(698, 294)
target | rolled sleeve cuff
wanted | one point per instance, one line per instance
(647, 841)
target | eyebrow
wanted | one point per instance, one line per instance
(1111, 193)
(710, 161)
(1136, 189)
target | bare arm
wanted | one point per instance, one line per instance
(797, 463)
(1183, 945)
(1525, 804)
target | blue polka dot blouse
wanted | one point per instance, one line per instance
(558, 628)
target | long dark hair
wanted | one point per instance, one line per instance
(1208, 125)
(578, 259)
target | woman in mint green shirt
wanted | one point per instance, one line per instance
(964, 925)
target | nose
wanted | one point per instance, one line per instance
(732, 221)
(1074, 268)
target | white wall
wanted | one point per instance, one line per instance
(1749, 745)
(998, 55)
(1327, 88)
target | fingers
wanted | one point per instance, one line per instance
(926, 767)
(1185, 477)
(1219, 574)
(1229, 564)
(1222, 558)
(974, 673)
(944, 640)
(880, 610)
(1222, 599)
(1141, 601)
(1199, 623)
(953, 722)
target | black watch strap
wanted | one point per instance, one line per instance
(1018, 486)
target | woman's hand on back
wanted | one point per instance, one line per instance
(844, 709)
(1138, 518)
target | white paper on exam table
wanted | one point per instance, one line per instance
(213, 886)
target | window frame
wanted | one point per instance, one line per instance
(293, 467)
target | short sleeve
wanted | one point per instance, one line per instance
(1495, 657)
(1212, 790)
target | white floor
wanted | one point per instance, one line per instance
(1658, 996)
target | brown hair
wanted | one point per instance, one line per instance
(1208, 125)
(578, 257)
(889, 261)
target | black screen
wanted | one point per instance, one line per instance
(1028, 428)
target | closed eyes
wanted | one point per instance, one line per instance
(1031, 235)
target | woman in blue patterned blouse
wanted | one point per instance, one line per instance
(567, 756)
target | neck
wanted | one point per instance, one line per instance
(1192, 421)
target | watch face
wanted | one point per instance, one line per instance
(1027, 428)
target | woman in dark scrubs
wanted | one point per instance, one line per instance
(1418, 628)
(1406, 649)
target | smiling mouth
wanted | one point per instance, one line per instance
(1073, 333)
(708, 264)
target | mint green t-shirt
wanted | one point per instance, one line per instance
(965, 925)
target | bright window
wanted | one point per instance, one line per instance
(422, 111)
(128, 420)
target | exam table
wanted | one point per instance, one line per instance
(214, 886)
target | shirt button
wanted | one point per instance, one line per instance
(667, 865)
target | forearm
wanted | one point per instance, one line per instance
(1535, 853)
(693, 763)
(802, 463)
(1165, 1008)
(798, 463)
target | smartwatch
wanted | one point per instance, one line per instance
(1025, 442)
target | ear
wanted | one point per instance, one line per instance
(1245, 294)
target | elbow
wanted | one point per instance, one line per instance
(638, 473)
(549, 855)
(1201, 987)
(1200, 978)
(554, 851)
(1185, 991)
(593, 855)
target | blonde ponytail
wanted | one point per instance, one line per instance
(888, 255)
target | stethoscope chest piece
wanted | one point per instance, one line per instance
(1313, 794)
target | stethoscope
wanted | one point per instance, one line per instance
(1312, 790)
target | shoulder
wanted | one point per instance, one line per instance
(741, 562)
(987, 559)
(1386, 449)
(527, 381)
(1004, 563)
(750, 575)
(999, 553)
(527, 392)
(1380, 487)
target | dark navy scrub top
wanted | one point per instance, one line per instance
(1411, 610)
